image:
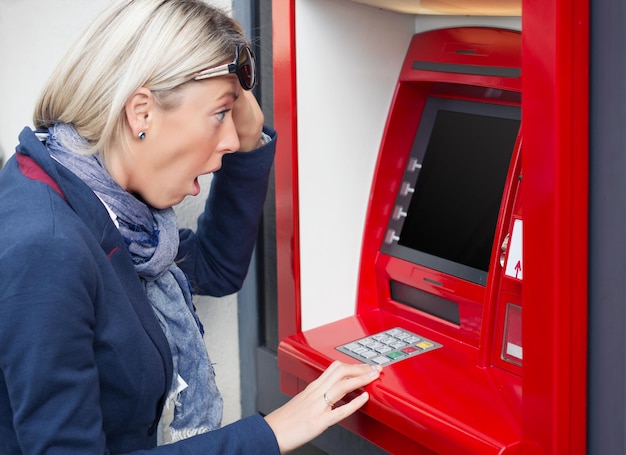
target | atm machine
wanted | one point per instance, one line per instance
(439, 298)
(438, 301)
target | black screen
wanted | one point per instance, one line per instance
(464, 150)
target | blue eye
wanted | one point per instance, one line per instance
(221, 115)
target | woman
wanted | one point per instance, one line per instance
(97, 325)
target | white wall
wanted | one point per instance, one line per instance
(34, 35)
(348, 61)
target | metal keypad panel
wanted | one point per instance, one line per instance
(388, 347)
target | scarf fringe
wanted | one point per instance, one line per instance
(179, 435)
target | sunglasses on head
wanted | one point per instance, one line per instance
(244, 66)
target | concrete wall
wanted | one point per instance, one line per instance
(34, 35)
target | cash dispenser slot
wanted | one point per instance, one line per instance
(434, 305)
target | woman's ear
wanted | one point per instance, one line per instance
(139, 111)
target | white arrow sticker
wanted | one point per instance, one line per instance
(514, 262)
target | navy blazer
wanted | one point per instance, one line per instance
(84, 364)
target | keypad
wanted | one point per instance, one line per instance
(388, 347)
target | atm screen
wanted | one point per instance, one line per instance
(447, 206)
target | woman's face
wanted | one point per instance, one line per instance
(183, 143)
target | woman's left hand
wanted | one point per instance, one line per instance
(248, 119)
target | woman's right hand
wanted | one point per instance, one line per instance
(311, 412)
(248, 118)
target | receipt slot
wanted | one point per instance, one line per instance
(439, 298)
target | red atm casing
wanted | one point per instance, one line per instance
(555, 108)
(465, 397)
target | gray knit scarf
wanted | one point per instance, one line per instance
(152, 239)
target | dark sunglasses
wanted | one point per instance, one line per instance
(244, 66)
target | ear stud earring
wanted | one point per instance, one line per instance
(142, 136)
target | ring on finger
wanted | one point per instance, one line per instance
(328, 402)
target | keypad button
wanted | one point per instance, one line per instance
(397, 344)
(395, 355)
(381, 360)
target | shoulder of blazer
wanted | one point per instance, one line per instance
(31, 169)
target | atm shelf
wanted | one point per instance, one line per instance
(439, 402)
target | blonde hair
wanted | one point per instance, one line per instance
(157, 44)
